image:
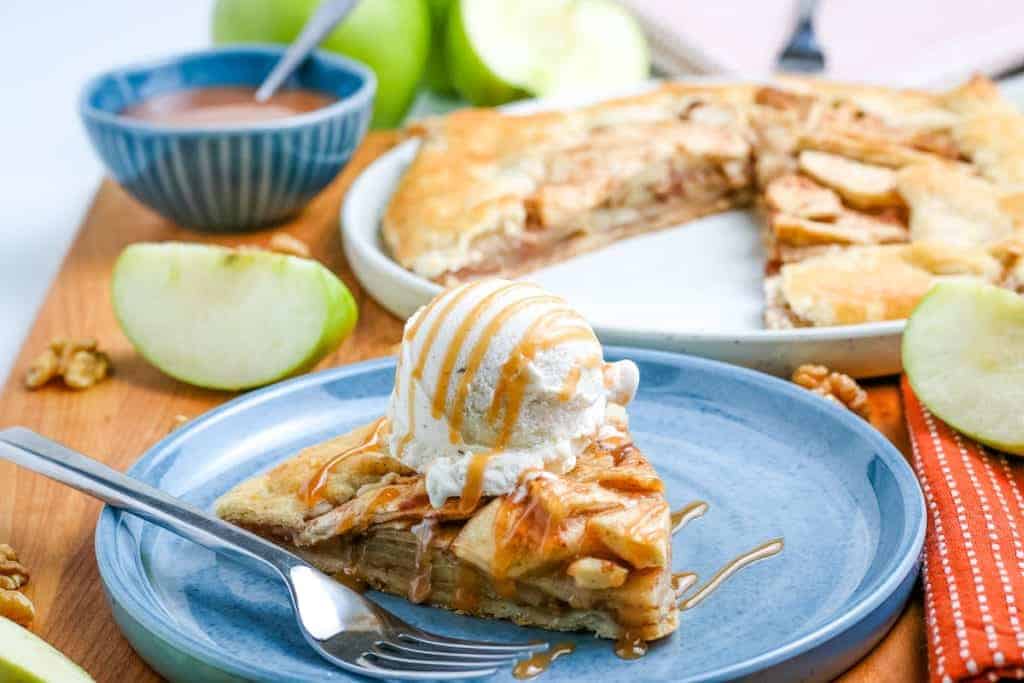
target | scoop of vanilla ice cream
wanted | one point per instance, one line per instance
(517, 342)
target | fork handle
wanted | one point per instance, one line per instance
(30, 450)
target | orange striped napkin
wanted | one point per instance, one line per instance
(973, 553)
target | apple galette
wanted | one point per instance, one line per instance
(891, 188)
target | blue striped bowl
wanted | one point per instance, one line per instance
(231, 177)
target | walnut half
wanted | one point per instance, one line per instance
(834, 386)
(13, 575)
(79, 362)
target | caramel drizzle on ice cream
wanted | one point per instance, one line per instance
(547, 331)
(455, 296)
(473, 489)
(458, 340)
(572, 380)
(479, 350)
(543, 334)
(557, 325)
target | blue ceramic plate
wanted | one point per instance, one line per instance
(770, 458)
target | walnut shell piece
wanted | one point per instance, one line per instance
(178, 421)
(16, 607)
(78, 361)
(43, 369)
(283, 243)
(834, 386)
(86, 368)
(13, 575)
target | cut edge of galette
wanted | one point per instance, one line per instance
(588, 550)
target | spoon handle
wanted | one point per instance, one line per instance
(327, 15)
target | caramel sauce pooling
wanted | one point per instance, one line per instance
(219, 105)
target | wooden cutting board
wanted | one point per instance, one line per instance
(52, 527)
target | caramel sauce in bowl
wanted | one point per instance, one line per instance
(183, 137)
(224, 105)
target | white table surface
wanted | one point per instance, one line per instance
(49, 172)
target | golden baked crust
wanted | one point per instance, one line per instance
(484, 183)
(867, 284)
(951, 206)
(989, 131)
(586, 550)
(833, 166)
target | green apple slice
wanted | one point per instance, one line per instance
(963, 352)
(473, 76)
(228, 319)
(27, 658)
(604, 50)
(497, 51)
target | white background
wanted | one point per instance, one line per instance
(48, 172)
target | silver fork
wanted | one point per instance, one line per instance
(344, 627)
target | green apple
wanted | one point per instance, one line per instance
(606, 50)
(436, 75)
(476, 79)
(27, 658)
(229, 319)
(499, 51)
(963, 352)
(391, 36)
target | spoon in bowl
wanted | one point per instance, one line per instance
(328, 14)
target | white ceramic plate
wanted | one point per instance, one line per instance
(694, 289)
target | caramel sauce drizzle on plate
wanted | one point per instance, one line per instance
(630, 645)
(761, 552)
(682, 582)
(687, 514)
(539, 663)
(313, 492)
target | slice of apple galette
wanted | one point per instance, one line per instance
(502, 482)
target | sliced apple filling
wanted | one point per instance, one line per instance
(587, 550)
(867, 283)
